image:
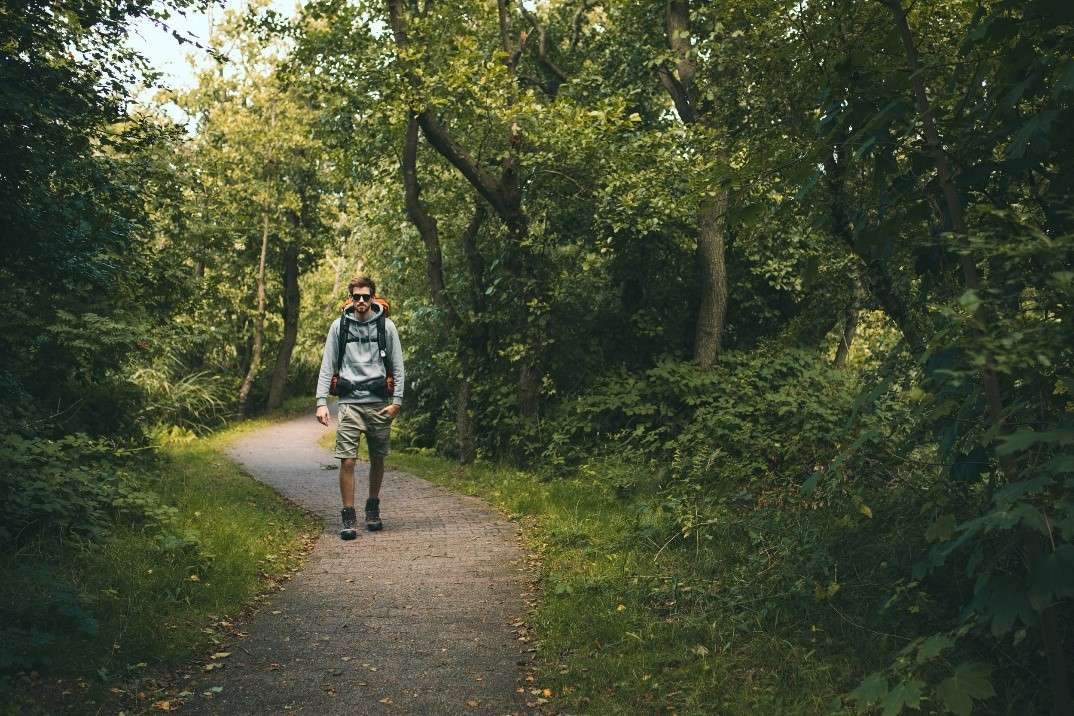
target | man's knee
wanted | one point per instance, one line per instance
(347, 463)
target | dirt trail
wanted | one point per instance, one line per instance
(415, 619)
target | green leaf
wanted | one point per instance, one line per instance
(1006, 601)
(905, 694)
(872, 690)
(1027, 437)
(969, 683)
(970, 301)
(932, 647)
(1052, 577)
(941, 529)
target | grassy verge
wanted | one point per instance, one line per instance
(139, 601)
(623, 625)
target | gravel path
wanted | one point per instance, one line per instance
(415, 619)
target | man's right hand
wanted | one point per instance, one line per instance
(322, 414)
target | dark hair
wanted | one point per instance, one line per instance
(362, 282)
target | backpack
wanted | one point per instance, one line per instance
(385, 305)
(384, 387)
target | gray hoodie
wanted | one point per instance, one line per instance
(361, 361)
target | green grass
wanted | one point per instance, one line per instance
(135, 604)
(625, 623)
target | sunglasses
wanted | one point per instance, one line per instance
(361, 297)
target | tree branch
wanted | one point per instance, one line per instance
(480, 178)
(579, 18)
(678, 95)
(542, 51)
(441, 140)
(425, 223)
(678, 26)
(680, 85)
(514, 50)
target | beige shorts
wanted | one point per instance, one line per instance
(357, 418)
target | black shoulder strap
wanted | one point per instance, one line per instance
(381, 343)
(341, 340)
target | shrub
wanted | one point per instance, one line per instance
(73, 486)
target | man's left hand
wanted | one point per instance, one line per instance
(390, 410)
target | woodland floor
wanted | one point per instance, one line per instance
(414, 619)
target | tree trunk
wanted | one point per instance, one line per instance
(712, 210)
(464, 422)
(503, 193)
(429, 230)
(259, 322)
(711, 220)
(529, 389)
(291, 303)
(911, 322)
(850, 327)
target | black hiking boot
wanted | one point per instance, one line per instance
(350, 524)
(372, 515)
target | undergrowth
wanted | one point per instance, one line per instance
(740, 604)
(93, 609)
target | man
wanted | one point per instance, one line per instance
(366, 408)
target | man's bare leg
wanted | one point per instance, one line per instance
(376, 475)
(346, 481)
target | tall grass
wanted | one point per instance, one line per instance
(197, 400)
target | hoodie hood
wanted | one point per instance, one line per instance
(374, 312)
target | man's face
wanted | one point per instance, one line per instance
(362, 298)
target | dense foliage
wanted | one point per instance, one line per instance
(810, 263)
(887, 180)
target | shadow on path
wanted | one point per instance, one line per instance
(415, 619)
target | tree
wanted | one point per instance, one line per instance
(263, 177)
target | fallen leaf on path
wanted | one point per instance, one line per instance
(163, 705)
(548, 693)
(210, 667)
(473, 703)
(387, 700)
(221, 655)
